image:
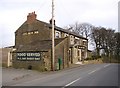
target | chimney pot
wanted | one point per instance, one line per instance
(51, 21)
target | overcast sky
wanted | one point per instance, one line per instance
(96, 12)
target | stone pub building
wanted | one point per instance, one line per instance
(33, 42)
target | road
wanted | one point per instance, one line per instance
(88, 75)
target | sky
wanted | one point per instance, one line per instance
(13, 13)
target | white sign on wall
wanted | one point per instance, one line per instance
(28, 56)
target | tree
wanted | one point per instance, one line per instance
(83, 29)
(104, 39)
(117, 46)
(110, 42)
(96, 39)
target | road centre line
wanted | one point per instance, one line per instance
(94, 71)
(71, 82)
(98, 69)
(107, 65)
(80, 78)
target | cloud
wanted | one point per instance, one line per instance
(96, 12)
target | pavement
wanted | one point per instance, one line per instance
(13, 76)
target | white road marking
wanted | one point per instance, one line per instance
(71, 82)
(98, 69)
(94, 71)
(107, 65)
(80, 78)
(91, 72)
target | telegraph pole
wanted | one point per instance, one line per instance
(53, 42)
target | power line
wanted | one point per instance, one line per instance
(66, 11)
(41, 6)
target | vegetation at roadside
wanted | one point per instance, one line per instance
(106, 41)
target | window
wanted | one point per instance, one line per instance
(30, 33)
(65, 34)
(36, 32)
(57, 35)
(84, 43)
(83, 54)
(77, 38)
(25, 33)
(76, 41)
(71, 39)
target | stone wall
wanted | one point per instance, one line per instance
(35, 65)
(6, 57)
(29, 33)
(61, 52)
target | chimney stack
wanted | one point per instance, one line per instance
(31, 17)
(51, 21)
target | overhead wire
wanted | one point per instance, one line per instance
(66, 11)
(41, 6)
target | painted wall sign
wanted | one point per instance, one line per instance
(29, 56)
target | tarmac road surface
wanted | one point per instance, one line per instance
(105, 74)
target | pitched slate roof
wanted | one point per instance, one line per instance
(43, 45)
(36, 25)
(63, 30)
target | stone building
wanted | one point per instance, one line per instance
(6, 56)
(33, 45)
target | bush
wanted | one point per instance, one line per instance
(88, 58)
(95, 57)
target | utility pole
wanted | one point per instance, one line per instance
(53, 42)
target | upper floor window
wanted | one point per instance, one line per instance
(84, 42)
(30, 33)
(57, 35)
(76, 38)
(36, 32)
(76, 41)
(25, 33)
(71, 39)
(65, 34)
